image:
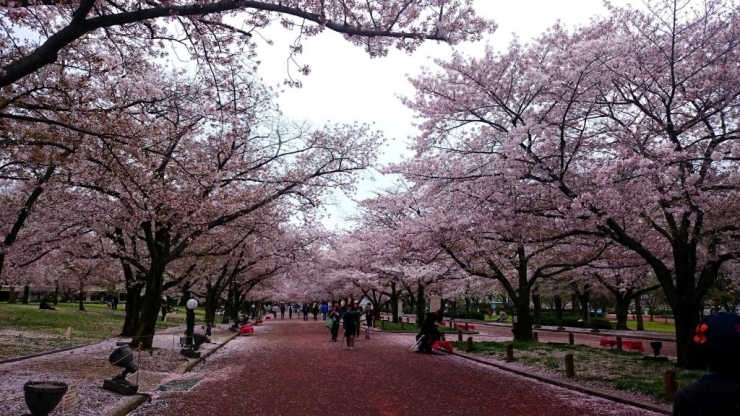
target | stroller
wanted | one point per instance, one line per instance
(424, 341)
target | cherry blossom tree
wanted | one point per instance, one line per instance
(631, 120)
(69, 34)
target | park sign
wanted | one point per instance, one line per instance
(71, 399)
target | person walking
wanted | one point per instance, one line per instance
(324, 310)
(305, 311)
(368, 320)
(335, 315)
(290, 311)
(315, 311)
(351, 323)
(274, 311)
(282, 311)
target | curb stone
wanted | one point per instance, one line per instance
(571, 386)
(190, 364)
(131, 405)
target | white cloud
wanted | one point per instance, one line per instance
(345, 85)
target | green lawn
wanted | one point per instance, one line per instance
(621, 369)
(412, 328)
(656, 326)
(45, 330)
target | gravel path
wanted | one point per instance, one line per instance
(291, 368)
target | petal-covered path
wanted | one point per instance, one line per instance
(291, 368)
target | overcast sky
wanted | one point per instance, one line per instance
(345, 85)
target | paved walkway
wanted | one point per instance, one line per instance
(291, 368)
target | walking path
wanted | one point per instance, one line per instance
(291, 368)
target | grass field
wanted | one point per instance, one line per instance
(621, 369)
(658, 325)
(27, 330)
(412, 328)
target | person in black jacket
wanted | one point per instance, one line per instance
(335, 314)
(717, 392)
(351, 323)
(428, 333)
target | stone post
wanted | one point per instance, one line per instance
(510, 353)
(570, 369)
(619, 343)
(571, 338)
(536, 336)
(470, 344)
(669, 378)
(459, 335)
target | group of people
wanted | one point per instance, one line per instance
(350, 315)
(305, 309)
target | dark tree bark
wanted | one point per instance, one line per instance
(559, 310)
(583, 298)
(537, 301)
(81, 296)
(133, 309)
(638, 314)
(394, 302)
(26, 294)
(420, 305)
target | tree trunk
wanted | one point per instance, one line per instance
(81, 297)
(523, 327)
(575, 306)
(26, 294)
(537, 300)
(638, 315)
(133, 300)
(229, 304)
(686, 316)
(467, 308)
(394, 303)
(151, 304)
(583, 298)
(420, 305)
(559, 310)
(622, 309)
(12, 295)
(56, 294)
(212, 296)
(133, 310)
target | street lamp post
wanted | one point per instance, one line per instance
(190, 321)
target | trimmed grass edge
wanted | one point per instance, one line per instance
(571, 386)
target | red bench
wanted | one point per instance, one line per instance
(464, 326)
(626, 344)
(246, 330)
